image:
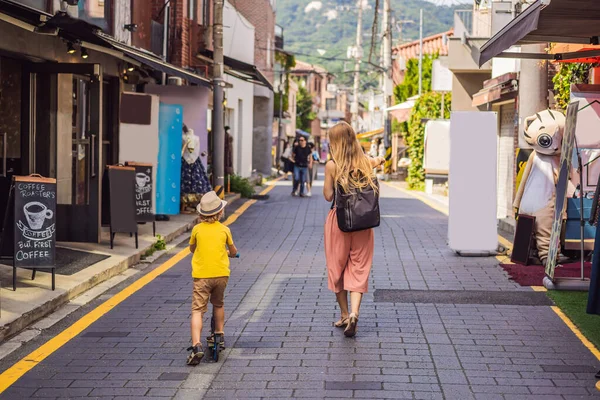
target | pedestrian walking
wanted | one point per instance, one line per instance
(301, 158)
(316, 158)
(288, 165)
(312, 168)
(349, 255)
(210, 271)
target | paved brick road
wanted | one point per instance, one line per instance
(280, 335)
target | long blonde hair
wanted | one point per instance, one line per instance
(353, 168)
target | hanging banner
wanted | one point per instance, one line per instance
(521, 162)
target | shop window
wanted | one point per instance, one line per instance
(330, 104)
(97, 12)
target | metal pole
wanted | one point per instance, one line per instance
(165, 46)
(581, 216)
(280, 125)
(217, 118)
(421, 52)
(357, 56)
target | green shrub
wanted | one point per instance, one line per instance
(428, 106)
(159, 245)
(240, 185)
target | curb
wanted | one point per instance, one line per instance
(21, 323)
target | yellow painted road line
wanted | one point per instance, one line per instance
(11, 375)
(577, 332)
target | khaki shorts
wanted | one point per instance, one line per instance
(208, 288)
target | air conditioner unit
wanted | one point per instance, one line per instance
(175, 81)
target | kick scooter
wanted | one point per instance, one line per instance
(215, 342)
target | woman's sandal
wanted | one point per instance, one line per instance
(351, 328)
(341, 323)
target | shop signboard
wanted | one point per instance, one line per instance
(521, 158)
(29, 231)
(119, 203)
(561, 186)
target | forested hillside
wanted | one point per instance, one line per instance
(321, 31)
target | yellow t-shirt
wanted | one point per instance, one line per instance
(210, 260)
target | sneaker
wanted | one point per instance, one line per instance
(196, 354)
(309, 194)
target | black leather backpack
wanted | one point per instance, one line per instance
(358, 209)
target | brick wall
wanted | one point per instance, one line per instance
(182, 46)
(260, 14)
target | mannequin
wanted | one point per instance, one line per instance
(194, 180)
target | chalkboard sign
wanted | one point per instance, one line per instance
(29, 233)
(523, 240)
(143, 192)
(121, 197)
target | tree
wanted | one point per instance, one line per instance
(428, 106)
(304, 109)
(410, 86)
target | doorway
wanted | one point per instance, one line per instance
(11, 146)
(66, 118)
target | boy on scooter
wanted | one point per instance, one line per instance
(210, 270)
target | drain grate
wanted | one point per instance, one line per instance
(260, 197)
(169, 276)
(462, 297)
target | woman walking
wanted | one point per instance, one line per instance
(349, 256)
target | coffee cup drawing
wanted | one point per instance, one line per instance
(142, 179)
(36, 213)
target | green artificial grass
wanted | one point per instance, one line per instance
(573, 304)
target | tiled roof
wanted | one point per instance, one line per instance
(304, 66)
(431, 45)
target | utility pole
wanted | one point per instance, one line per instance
(218, 130)
(387, 65)
(357, 57)
(421, 52)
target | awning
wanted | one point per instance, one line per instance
(88, 35)
(154, 62)
(241, 70)
(370, 134)
(502, 87)
(557, 21)
(407, 105)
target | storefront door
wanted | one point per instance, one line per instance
(74, 136)
(11, 159)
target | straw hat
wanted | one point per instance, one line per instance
(210, 204)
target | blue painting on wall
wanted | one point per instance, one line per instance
(168, 171)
